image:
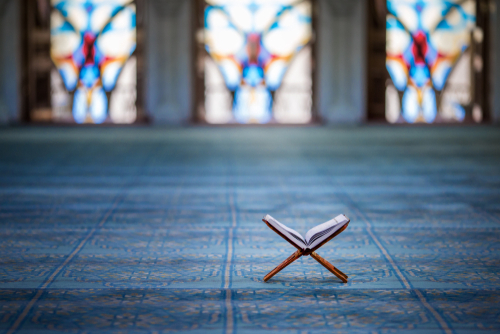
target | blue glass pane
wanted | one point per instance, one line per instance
(426, 40)
(253, 44)
(91, 41)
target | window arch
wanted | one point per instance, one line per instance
(255, 61)
(84, 69)
(435, 61)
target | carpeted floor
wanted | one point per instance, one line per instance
(152, 230)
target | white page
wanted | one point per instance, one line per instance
(325, 230)
(291, 234)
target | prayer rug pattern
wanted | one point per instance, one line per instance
(155, 230)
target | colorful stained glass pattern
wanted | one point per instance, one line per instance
(429, 59)
(252, 46)
(91, 43)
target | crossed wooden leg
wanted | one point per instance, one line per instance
(343, 277)
(284, 264)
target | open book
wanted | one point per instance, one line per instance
(314, 236)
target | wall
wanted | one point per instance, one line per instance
(340, 51)
(341, 63)
(9, 61)
(168, 52)
(340, 84)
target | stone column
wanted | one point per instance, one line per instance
(168, 52)
(341, 62)
(10, 74)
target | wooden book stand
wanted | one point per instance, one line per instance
(300, 252)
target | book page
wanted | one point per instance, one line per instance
(321, 232)
(291, 234)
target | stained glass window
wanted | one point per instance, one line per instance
(92, 47)
(430, 59)
(258, 63)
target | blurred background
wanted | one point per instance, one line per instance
(124, 215)
(249, 61)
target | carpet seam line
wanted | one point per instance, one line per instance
(423, 300)
(229, 325)
(52, 277)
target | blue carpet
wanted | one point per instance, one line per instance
(154, 230)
